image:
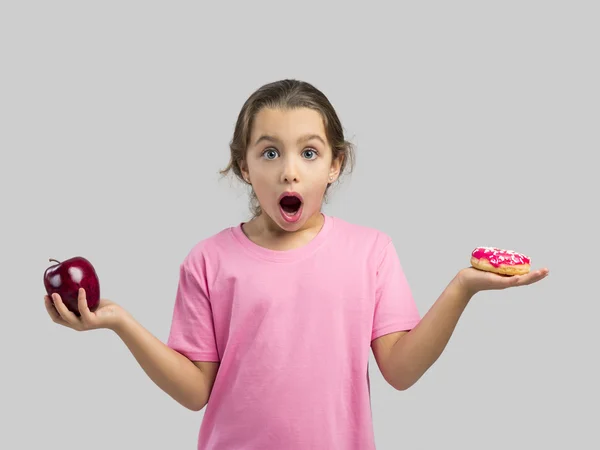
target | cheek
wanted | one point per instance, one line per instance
(262, 187)
(315, 194)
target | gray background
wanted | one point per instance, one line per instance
(476, 123)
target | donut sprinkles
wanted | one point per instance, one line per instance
(503, 262)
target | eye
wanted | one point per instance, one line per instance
(309, 151)
(270, 152)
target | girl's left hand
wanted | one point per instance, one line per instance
(475, 280)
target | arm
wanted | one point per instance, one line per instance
(186, 382)
(404, 357)
(189, 383)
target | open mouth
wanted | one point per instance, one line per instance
(291, 206)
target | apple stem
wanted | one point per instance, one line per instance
(54, 260)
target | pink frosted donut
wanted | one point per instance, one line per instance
(497, 260)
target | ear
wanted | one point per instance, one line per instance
(245, 172)
(334, 171)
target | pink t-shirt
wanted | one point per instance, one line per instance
(292, 332)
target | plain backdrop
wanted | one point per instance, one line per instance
(476, 123)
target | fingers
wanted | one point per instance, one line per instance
(536, 276)
(530, 278)
(63, 316)
(53, 313)
(67, 316)
(87, 319)
(84, 310)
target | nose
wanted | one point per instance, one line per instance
(290, 172)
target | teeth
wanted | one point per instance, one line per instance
(290, 214)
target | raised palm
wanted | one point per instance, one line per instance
(475, 280)
(107, 315)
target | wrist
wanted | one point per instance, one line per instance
(463, 287)
(121, 321)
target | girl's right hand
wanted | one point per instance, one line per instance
(108, 314)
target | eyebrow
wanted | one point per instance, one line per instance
(306, 137)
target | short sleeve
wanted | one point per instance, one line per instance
(192, 328)
(395, 308)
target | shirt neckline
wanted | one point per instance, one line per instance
(284, 255)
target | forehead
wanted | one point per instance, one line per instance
(288, 124)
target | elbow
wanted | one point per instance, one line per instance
(401, 386)
(194, 402)
(195, 406)
(401, 383)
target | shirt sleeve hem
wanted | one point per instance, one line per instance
(198, 356)
(393, 328)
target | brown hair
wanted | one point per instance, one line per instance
(286, 94)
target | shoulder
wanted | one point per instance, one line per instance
(345, 228)
(208, 249)
(361, 236)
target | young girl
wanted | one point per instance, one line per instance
(274, 319)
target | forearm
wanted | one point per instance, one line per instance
(415, 352)
(171, 371)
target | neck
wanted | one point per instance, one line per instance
(265, 232)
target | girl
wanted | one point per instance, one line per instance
(274, 319)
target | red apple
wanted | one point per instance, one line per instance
(65, 278)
